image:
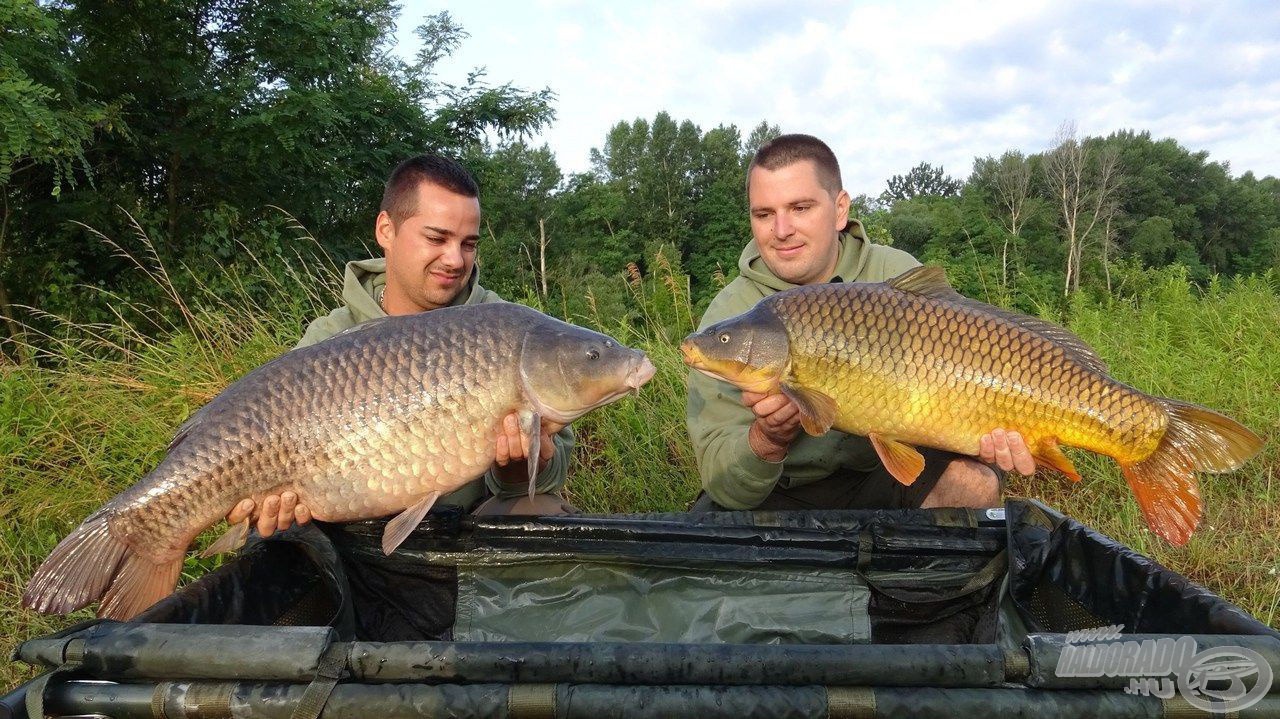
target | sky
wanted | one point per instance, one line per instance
(889, 84)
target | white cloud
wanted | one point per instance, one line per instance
(892, 84)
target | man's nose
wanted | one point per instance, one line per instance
(782, 227)
(451, 257)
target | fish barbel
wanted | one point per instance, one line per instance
(385, 417)
(910, 362)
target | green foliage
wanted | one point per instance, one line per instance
(233, 106)
(923, 180)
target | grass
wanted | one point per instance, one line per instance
(98, 408)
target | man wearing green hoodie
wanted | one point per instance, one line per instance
(428, 227)
(750, 449)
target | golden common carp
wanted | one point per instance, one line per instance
(912, 362)
(385, 417)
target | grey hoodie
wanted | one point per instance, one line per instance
(718, 422)
(362, 284)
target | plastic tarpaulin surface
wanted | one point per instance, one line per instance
(603, 601)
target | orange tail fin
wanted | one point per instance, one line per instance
(90, 563)
(1197, 440)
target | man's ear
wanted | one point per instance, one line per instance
(843, 202)
(384, 230)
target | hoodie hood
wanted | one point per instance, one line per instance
(365, 280)
(851, 261)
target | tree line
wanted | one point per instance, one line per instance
(214, 127)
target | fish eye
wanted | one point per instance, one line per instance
(724, 338)
(593, 354)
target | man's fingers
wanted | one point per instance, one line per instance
(770, 404)
(288, 501)
(1023, 461)
(986, 449)
(546, 451)
(501, 453)
(270, 513)
(302, 514)
(241, 511)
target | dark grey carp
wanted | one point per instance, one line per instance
(386, 417)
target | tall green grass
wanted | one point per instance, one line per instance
(97, 409)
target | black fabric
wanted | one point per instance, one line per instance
(850, 489)
(1065, 576)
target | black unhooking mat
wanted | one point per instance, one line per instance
(892, 576)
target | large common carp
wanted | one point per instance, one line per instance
(912, 362)
(385, 417)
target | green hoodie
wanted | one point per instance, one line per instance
(362, 285)
(731, 473)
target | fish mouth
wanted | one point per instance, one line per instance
(690, 355)
(640, 374)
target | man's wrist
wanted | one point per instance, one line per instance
(763, 447)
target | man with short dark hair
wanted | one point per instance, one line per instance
(750, 449)
(428, 227)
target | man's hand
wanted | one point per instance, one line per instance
(510, 463)
(279, 511)
(776, 426)
(1008, 451)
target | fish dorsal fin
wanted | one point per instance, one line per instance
(930, 281)
(926, 280)
(1064, 338)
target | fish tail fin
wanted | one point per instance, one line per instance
(92, 562)
(78, 570)
(1197, 439)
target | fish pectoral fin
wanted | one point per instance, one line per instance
(405, 522)
(902, 460)
(531, 427)
(1049, 453)
(817, 410)
(231, 540)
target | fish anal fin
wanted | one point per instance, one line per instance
(1167, 495)
(531, 428)
(230, 541)
(405, 522)
(902, 460)
(1049, 453)
(817, 410)
(926, 280)
(140, 583)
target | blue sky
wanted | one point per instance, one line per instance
(890, 84)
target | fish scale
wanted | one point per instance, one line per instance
(911, 362)
(384, 417)
(960, 358)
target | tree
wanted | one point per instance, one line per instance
(235, 105)
(44, 124)
(1010, 181)
(1082, 179)
(923, 180)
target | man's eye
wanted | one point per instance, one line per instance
(469, 247)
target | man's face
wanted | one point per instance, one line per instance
(796, 222)
(430, 255)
